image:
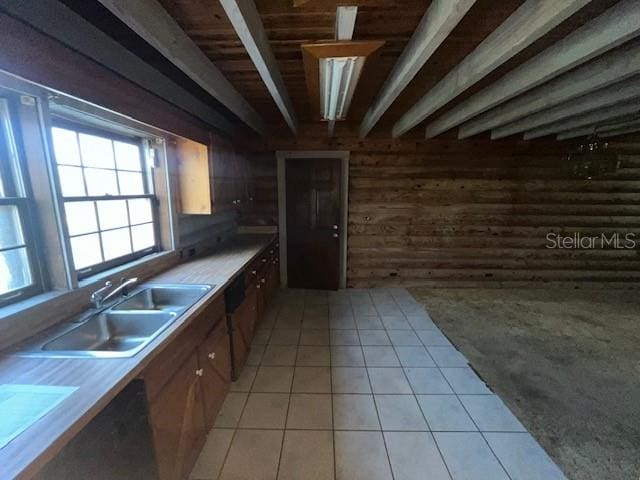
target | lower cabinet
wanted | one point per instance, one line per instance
(186, 385)
(214, 358)
(178, 423)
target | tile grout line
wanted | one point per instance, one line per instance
(375, 404)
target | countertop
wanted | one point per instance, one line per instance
(100, 380)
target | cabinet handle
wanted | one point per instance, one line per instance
(262, 280)
(264, 260)
(212, 355)
(258, 286)
(271, 252)
(199, 372)
(253, 272)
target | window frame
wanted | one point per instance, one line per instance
(149, 189)
(16, 182)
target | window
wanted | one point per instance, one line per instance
(108, 198)
(19, 274)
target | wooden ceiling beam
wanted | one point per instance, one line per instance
(247, 23)
(435, 26)
(607, 70)
(622, 131)
(616, 93)
(617, 25)
(154, 24)
(528, 23)
(602, 131)
(597, 117)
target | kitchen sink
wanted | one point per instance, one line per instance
(121, 329)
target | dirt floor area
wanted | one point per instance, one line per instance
(567, 362)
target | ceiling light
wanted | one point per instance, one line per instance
(338, 79)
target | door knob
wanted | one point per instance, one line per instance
(335, 235)
(335, 227)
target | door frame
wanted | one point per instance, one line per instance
(282, 156)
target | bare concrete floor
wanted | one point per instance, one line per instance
(567, 363)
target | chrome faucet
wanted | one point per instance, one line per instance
(100, 296)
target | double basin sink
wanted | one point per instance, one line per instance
(121, 329)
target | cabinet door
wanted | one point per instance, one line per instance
(177, 421)
(214, 357)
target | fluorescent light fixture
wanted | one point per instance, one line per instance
(338, 79)
(345, 22)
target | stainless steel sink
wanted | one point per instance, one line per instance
(111, 331)
(164, 297)
(121, 329)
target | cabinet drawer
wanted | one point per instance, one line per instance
(161, 368)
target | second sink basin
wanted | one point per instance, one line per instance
(164, 297)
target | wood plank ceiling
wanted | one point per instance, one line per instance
(288, 27)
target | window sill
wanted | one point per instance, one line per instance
(29, 303)
(124, 269)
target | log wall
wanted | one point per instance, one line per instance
(475, 213)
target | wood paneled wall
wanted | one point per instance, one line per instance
(476, 213)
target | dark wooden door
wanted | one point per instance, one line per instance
(313, 219)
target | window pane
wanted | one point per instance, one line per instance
(86, 250)
(14, 270)
(10, 228)
(101, 182)
(81, 217)
(112, 214)
(143, 236)
(127, 156)
(116, 243)
(140, 210)
(65, 146)
(71, 181)
(131, 183)
(96, 151)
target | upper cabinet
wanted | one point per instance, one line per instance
(211, 179)
(194, 177)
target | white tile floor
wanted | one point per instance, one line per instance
(361, 384)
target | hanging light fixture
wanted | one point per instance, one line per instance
(332, 71)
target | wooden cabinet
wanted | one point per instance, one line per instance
(230, 178)
(242, 323)
(185, 386)
(214, 357)
(177, 421)
(194, 179)
(211, 178)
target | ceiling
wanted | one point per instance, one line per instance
(287, 27)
